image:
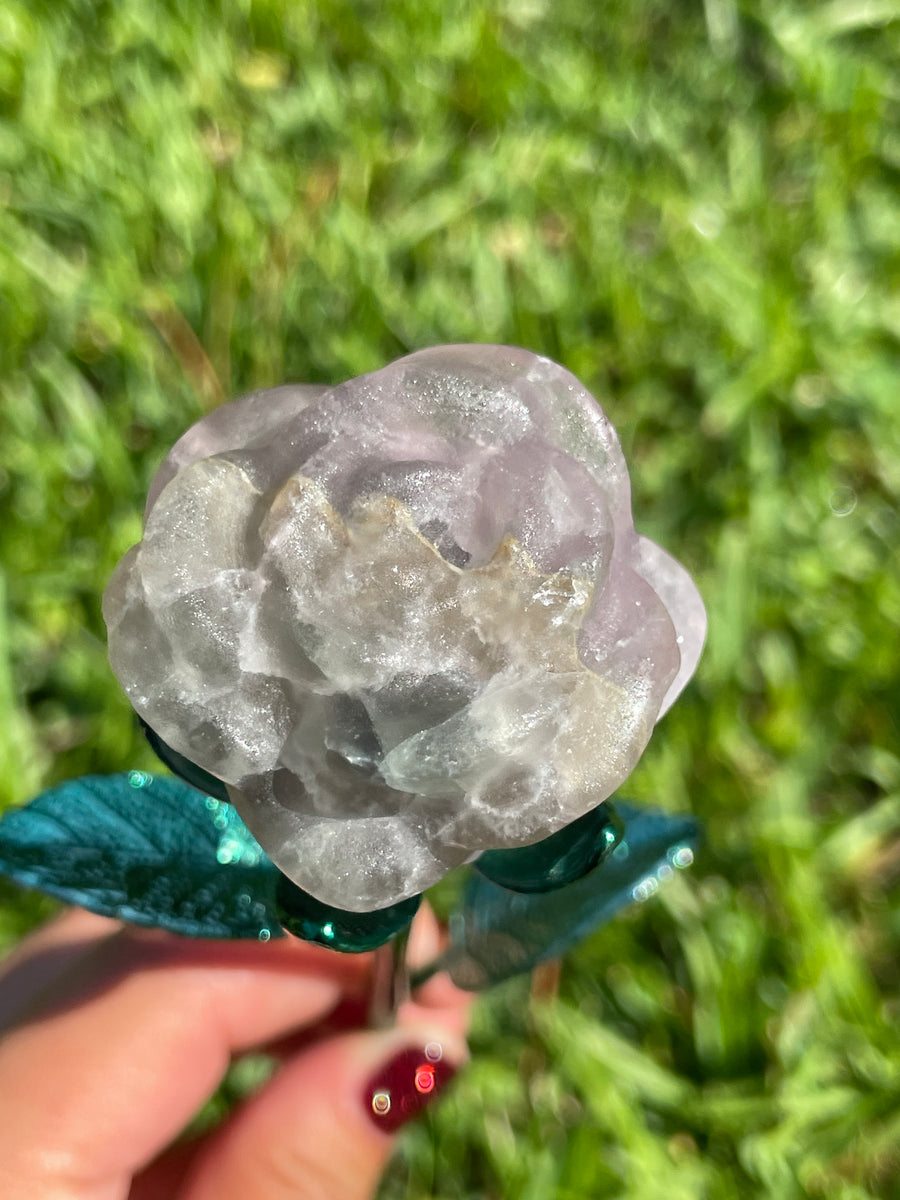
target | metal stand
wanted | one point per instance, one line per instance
(390, 982)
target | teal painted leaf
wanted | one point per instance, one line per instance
(147, 849)
(500, 933)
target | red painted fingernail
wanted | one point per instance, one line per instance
(404, 1085)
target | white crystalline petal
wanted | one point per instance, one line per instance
(402, 856)
(199, 528)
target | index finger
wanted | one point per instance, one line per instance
(127, 1045)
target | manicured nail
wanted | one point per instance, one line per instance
(405, 1084)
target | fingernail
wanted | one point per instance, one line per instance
(405, 1084)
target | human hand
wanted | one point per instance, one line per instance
(113, 1037)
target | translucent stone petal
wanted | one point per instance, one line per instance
(678, 592)
(244, 423)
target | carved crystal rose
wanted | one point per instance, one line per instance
(405, 619)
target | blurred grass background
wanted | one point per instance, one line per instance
(694, 207)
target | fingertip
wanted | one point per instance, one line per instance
(324, 1125)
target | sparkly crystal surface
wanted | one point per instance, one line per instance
(404, 620)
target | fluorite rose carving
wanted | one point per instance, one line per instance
(404, 619)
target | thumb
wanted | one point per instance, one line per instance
(322, 1128)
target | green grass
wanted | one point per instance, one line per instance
(694, 208)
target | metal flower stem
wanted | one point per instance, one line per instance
(390, 981)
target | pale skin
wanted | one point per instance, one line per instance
(113, 1037)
